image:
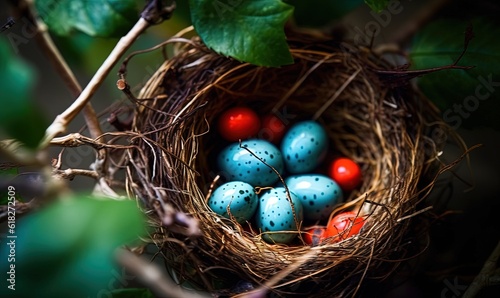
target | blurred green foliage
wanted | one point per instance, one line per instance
(66, 249)
(19, 117)
(466, 97)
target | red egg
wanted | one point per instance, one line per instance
(343, 226)
(238, 123)
(314, 236)
(346, 173)
(273, 129)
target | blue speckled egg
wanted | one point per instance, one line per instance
(274, 213)
(304, 147)
(238, 164)
(318, 194)
(239, 196)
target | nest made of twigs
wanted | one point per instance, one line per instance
(382, 127)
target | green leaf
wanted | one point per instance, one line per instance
(377, 5)
(104, 18)
(19, 117)
(66, 249)
(8, 171)
(250, 31)
(465, 97)
(321, 12)
(132, 293)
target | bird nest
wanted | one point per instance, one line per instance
(370, 116)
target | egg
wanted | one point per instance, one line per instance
(318, 194)
(304, 146)
(274, 214)
(346, 172)
(238, 123)
(344, 225)
(314, 236)
(273, 129)
(239, 196)
(239, 164)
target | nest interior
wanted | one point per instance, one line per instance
(384, 128)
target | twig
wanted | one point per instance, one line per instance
(26, 8)
(102, 188)
(414, 214)
(263, 289)
(21, 208)
(486, 276)
(285, 186)
(76, 139)
(152, 277)
(70, 174)
(153, 13)
(60, 123)
(10, 22)
(365, 270)
(18, 153)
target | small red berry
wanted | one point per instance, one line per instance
(344, 225)
(346, 173)
(273, 129)
(238, 123)
(314, 236)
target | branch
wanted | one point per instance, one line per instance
(26, 8)
(264, 289)
(10, 22)
(152, 277)
(70, 174)
(60, 123)
(154, 12)
(19, 154)
(487, 276)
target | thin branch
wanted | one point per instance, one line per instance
(26, 8)
(70, 174)
(414, 214)
(154, 13)
(17, 153)
(486, 275)
(60, 123)
(152, 277)
(10, 22)
(264, 289)
(76, 139)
